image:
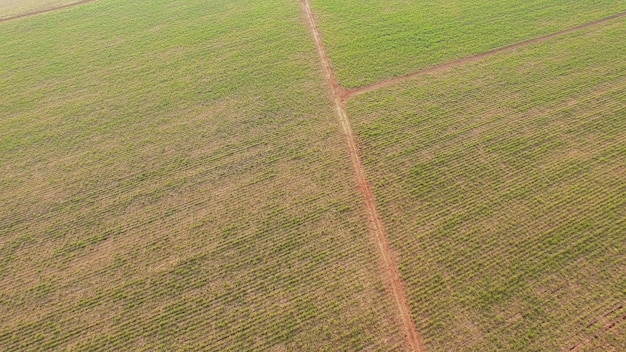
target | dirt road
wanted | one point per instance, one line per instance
(377, 231)
(37, 12)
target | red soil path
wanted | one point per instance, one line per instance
(474, 58)
(45, 10)
(377, 231)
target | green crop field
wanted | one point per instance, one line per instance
(502, 185)
(174, 178)
(372, 40)
(193, 175)
(10, 8)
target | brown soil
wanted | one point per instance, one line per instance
(377, 231)
(470, 59)
(44, 10)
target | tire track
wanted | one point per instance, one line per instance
(605, 328)
(377, 231)
(474, 58)
(37, 12)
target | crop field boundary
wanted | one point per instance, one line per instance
(474, 58)
(376, 228)
(50, 9)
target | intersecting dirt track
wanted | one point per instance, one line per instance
(340, 95)
(475, 58)
(390, 268)
(45, 10)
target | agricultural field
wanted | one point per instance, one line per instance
(372, 40)
(279, 175)
(502, 185)
(9, 8)
(174, 178)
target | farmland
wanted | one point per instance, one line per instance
(173, 178)
(373, 40)
(236, 175)
(502, 185)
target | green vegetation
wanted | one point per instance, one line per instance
(10, 8)
(174, 178)
(372, 40)
(502, 185)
